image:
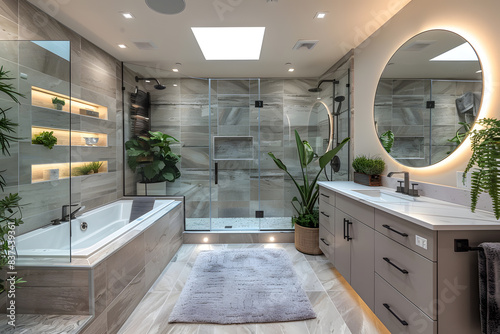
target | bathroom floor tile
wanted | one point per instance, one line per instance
(338, 308)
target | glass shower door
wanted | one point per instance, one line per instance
(235, 152)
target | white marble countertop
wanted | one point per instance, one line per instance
(425, 211)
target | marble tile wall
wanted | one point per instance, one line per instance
(183, 112)
(400, 107)
(95, 76)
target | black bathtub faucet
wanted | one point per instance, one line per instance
(67, 214)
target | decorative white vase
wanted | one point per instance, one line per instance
(155, 189)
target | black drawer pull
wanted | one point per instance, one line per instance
(393, 230)
(404, 323)
(404, 271)
(325, 195)
(326, 243)
(324, 214)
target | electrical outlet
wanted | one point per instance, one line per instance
(421, 242)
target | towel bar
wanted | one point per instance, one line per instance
(462, 245)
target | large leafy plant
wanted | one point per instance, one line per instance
(152, 157)
(387, 140)
(10, 208)
(307, 186)
(485, 163)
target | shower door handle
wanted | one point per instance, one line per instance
(216, 172)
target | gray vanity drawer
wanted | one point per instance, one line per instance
(407, 233)
(327, 196)
(417, 321)
(355, 209)
(416, 277)
(326, 242)
(326, 216)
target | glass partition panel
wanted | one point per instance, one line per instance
(36, 167)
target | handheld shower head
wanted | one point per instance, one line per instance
(339, 98)
(158, 85)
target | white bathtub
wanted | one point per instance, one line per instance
(104, 224)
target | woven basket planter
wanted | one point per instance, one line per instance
(307, 240)
(368, 180)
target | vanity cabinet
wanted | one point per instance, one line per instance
(326, 222)
(409, 274)
(353, 245)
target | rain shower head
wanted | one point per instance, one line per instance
(317, 89)
(158, 85)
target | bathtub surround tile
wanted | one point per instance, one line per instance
(64, 300)
(34, 323)
(100, 290)
(9, 29)
(123, 266)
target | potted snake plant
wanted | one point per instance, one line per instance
(307, 219)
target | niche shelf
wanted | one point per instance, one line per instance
(233, 148)
(77, 137)
(43, 98)
(46, 172)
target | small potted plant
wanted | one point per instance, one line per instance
(45, 138)
(58, 103)
(367, 170)
(485, 163)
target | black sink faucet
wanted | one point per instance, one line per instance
(406, 189)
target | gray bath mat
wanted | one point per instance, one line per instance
(242, 286)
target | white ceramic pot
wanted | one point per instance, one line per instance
(155, 189)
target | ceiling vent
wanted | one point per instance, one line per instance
(303, 43)
(145, 45)
(417, 46)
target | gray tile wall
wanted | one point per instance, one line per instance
(95, 77)
(183, 112)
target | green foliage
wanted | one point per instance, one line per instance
(460, 134)
(88, 168)
(45, 138)
(387, 140)
(485, 162)
(10, 208)
(308, 190)
(55, 100)
(369, 166)
(152, 157)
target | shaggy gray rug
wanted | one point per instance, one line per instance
(242, 286)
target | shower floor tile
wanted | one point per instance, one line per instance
(234, 224)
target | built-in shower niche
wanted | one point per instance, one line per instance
(233, 148)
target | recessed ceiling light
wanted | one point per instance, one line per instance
(175, 70)
(320, 15)
(463, 52)
(175, 85)
(291, 69)
(128, 15)
(230, 43)
(122, 46)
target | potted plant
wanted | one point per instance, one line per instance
(485, 163)
(58, 103)
(152, 158)
(88, 168)
(307, 220)
(45, 138)
(10, 207)
(367, 170)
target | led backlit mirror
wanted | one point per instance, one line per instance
(428, 96)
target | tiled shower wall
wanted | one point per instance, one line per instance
(95, 77)
(183, 111)
(400, 106)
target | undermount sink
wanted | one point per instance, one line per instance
(385, 196)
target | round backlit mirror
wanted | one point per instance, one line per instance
(320, 128)
(428, 96)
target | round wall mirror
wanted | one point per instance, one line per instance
(428, 97)
(320, 128)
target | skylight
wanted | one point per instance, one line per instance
(230, 43)
(463, 52)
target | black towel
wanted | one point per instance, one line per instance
(140, 206)
(489, 287)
